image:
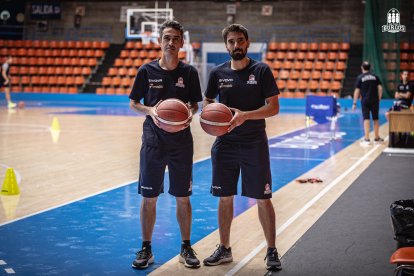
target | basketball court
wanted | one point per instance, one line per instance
(74, 151)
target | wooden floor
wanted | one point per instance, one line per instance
(91, 154)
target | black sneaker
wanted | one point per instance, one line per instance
(221, 255)
(144, 258)
(188, 258)
(272, 260)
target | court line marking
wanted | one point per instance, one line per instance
(292, 219)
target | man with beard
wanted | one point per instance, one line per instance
(248, 88)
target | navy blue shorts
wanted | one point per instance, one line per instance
(252, 160)
(370, 108)
(153, 161)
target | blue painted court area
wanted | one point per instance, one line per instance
(100, 235)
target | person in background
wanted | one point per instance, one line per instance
(5, 80)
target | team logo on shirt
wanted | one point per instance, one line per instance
(225, 83)
(180, 82)
(155, 83)
(251, 80)
(267, 189)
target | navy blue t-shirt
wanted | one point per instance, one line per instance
(404, 89)
(153, 84)
(246, 90)
(368, 85)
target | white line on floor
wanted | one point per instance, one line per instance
(282, 228)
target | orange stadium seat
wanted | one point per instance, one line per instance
(340, 66)
(318, 65)
(329, 65)
(124, 54)
(316, 75)
(77, 71)
(113, 71)
(290, 55)
(132, 72)
(325, 85)
(313, 46)
(106, 81)
(273, 46)
(133, 54)
(323, 46)
(100, 90)
(294, 75)
(300, 56)
(275, 73)
(116, 81)
(297, 65)
(302, 85)
(327, 75)
(283, 74)
(122, 71)
(138, 62)
(60, 70)
(305, 75)
(303, 47)
(283, 46)
(334, 46)
(281, 84)
(287, 64)
(79, 80)
(344, 47)
(110, 91)
(293, 46)
(86, 71)
(338, 76)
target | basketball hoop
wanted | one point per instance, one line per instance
(146, 38)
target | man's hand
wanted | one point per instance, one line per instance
(190, 117)
(153, 113)
(238, 118)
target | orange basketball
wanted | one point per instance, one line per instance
(21, 104)
(215, 118)
(172, 115)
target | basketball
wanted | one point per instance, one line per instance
(21, 104)
(172, 115)
(215, 118)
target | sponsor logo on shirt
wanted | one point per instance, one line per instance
(251, 80)
(146, 188)
(225, 83)
(180, 82)
(155, 83)
(267, 189)
(320, 106)
(368, 78)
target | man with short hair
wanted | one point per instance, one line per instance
(403, 95)
(249, 89)
(5, 80)
(369, 90)
(158, 80)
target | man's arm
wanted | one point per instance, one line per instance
(356, 97)
(147, 110)
(5, 77)
(207, 101)
(379, 92)
(268, 110)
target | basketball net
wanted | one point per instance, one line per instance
(146, 38)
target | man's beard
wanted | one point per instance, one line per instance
(238, 54)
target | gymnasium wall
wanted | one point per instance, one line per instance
(291, 20)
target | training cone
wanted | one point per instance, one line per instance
(10, 186)
(55, 124)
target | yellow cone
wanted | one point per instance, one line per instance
(55, 124)
(10, 186)
(10, 204)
